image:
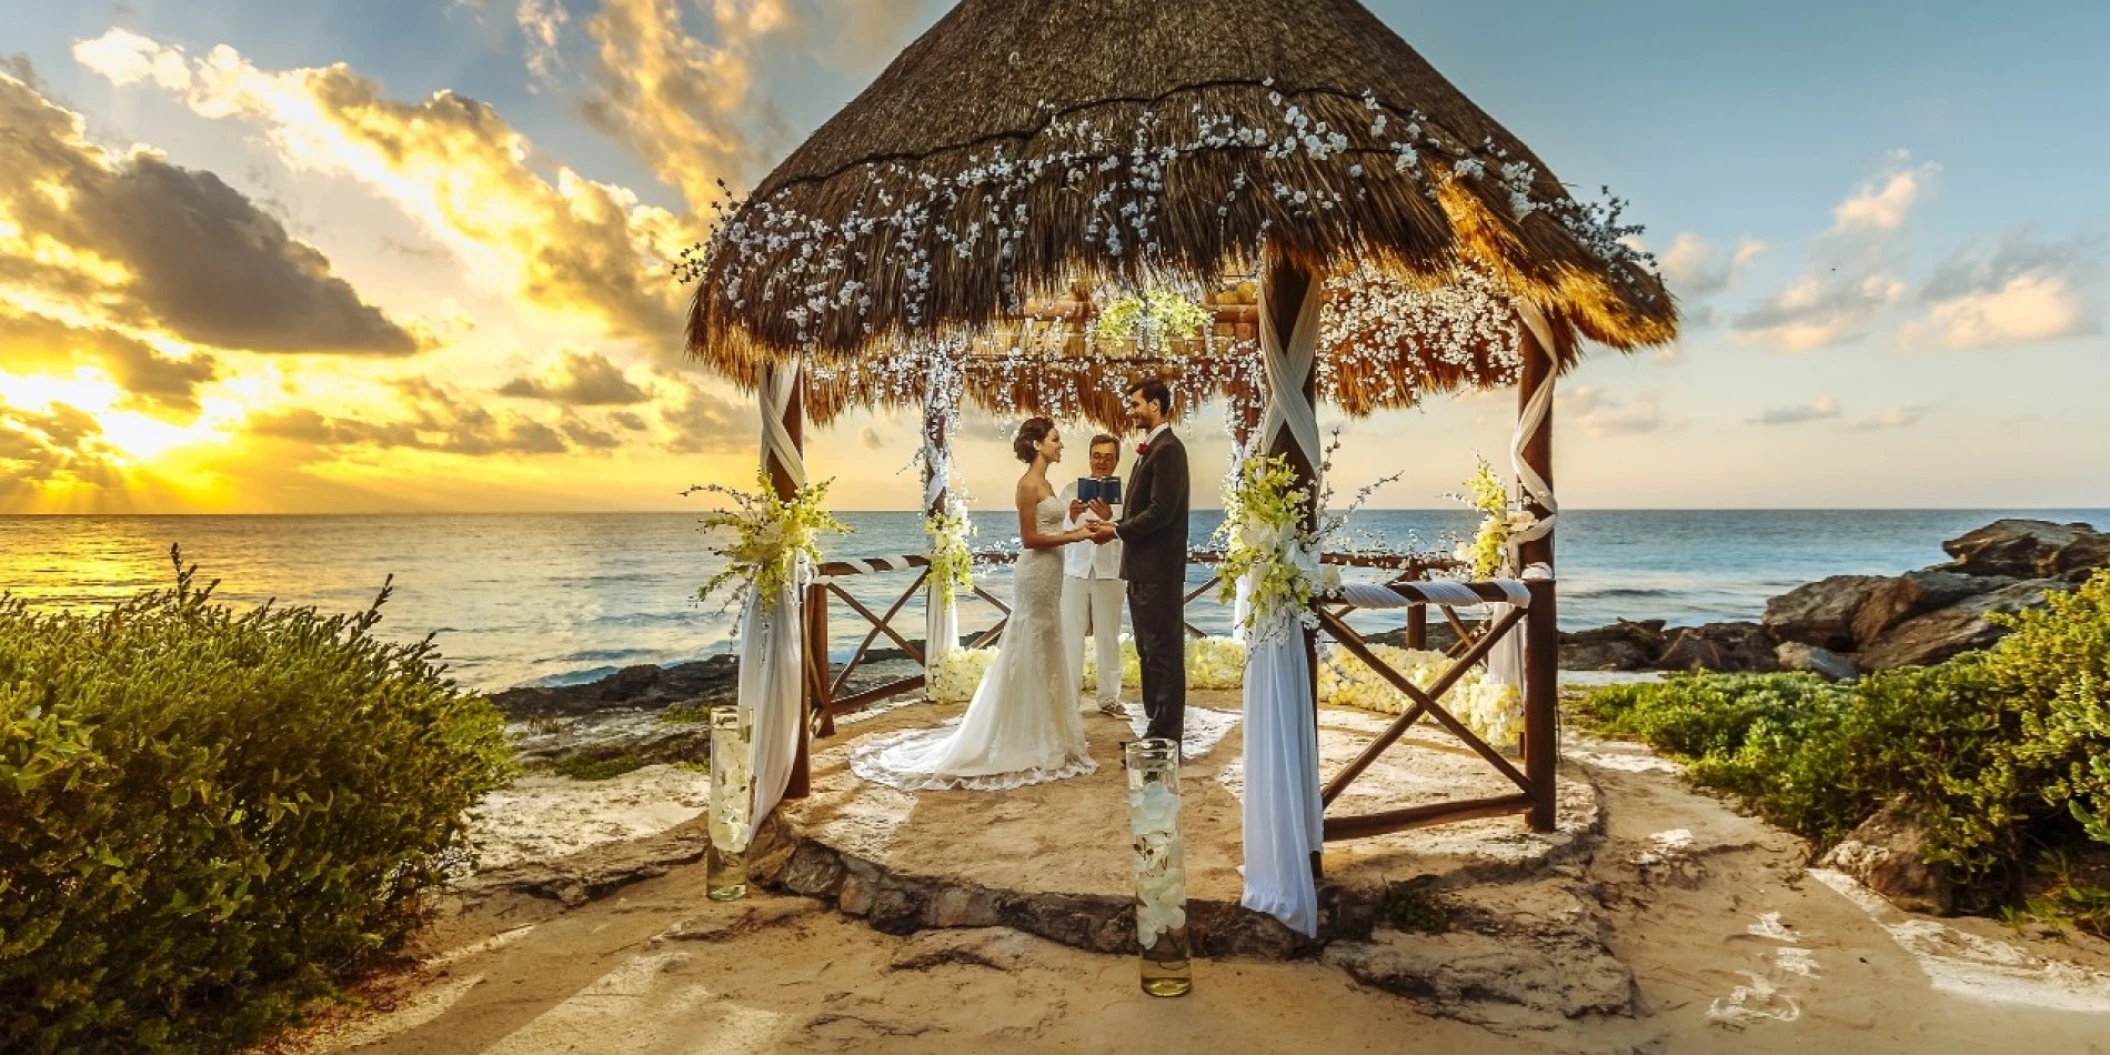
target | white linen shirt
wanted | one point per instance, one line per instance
(1087, 560)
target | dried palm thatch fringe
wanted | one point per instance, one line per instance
(1018, 151)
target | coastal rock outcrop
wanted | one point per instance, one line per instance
(2030, 549)
(1917, 593)
(1958, 628)
(1625, 645)
(1798, 658)
(1741, 648)
(1821, 613)
(1887, 853)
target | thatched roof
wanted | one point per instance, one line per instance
(1018, 150)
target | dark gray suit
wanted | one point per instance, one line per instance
(1153, 532)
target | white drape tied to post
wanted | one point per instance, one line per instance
(1506, 662)
(941, 610)
(1283, 817)
(771, 645)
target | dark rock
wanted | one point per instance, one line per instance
(1071, 919)
(1917, 593)
(643, 735)
(1821, 613)
(643, 687)
(2085, 557)
(1722, 647)
(1796, 657)
(962, 906)
(1888, 854)
(1624, 645)
(2026, 549)
(1221, 928)
(598, 870)
(1961, 627)
(899, 905)
(814, 871)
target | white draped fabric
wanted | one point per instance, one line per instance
(1283, 817)
(941, 618)
(1506, 663)
(770, 641)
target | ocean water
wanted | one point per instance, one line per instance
(515, 599)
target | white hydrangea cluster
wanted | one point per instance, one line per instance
(1492, 710)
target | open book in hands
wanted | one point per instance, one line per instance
(1102, 489)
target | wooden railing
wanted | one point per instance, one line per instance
(825, 686)
(1535, 783)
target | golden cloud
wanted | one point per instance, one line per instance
(567, 245)
(135, 243)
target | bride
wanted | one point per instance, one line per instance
(1023, 727)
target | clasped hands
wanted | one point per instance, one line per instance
(1102, 532)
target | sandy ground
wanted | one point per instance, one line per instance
(1734, 944)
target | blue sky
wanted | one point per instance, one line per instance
(1910, 193)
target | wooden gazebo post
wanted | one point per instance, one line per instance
(1541, 627)
(785, 480)
(1284, 286)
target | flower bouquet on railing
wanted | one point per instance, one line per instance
(1501, 518)
(774, 538)
(951, 557)
(1264, 536)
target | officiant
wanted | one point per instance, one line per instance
(1092, 589)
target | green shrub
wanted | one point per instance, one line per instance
(207, 819)
(2003, 752)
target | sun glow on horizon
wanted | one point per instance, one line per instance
(131, 438)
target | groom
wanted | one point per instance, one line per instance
(1153, 534)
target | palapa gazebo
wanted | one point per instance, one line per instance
(1351, 225)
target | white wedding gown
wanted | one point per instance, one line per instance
(1022, 727)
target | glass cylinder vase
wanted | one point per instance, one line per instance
(1160, 866)
(732, 798)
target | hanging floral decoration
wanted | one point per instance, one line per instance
(775, 540)
(1151, 317)
(1264, 536)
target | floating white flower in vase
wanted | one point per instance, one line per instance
(1160, 866)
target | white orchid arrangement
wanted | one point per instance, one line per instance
(732, 783)
(774, 538)
(1160, 861)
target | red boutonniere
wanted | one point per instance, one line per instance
(1142, 449)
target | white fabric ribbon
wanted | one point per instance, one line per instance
(1533, 415)
(771, 644)
(1374, 595)
(1506, 663)
(941, 618)
(1284, 820)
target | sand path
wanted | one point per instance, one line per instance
(1735, 946)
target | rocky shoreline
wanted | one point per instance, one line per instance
(1839, 627)
(1846, 625)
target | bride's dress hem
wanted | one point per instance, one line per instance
(866, 763)
(1022, 726)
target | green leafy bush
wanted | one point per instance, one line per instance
(2004, 752)
(207, 819)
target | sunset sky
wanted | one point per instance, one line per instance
(410, 255)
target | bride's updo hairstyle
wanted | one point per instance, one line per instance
(1030, 432)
